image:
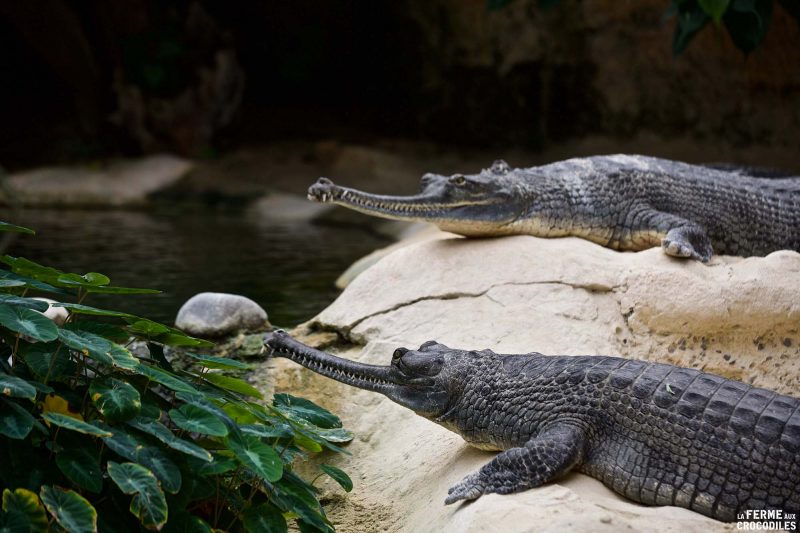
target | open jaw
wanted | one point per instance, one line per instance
(423, 207)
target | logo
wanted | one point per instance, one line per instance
(766, 520)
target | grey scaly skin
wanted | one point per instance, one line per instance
(624, 202)
(655, 433)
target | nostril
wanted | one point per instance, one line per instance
(398, 353)
(324, 181)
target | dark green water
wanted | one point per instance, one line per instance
(287, 267)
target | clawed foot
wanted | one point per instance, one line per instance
(468, 488)
(678, 249)
(687, 243)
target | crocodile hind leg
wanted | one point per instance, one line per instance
(549, 455)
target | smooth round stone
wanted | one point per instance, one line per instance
(58, 315)
(215, 314)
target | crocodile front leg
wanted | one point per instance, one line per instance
(689, 240)
(548, 456)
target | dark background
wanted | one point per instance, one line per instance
(451, 72)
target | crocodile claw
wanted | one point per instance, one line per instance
(687, 242)
(468, 488)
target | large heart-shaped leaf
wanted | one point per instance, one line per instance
(264, 518)
(116, 400)
(6, 275)
(104, 329)
(220, 465)
(232, 384)
(747, 22)
(691, 19)
(133, 448)
(200, 401)
(282, 431)
(224, 363)
(155, 331)
(163, 433)
(180, 521)
(15, 421)
(291, 494)
(81, 464)
(68, 422)
(26, 267)
(196, 420)
(306, 410)
(98, 348)
(39, 358)
(339, 476)
(148, 504)
(165, 378)
(162, 466)
(92, 279)
(257, 456)
(88, 344)
(15, 387)
(80, 309)
(24, 511)
(18, 301)
(28, 322)
(71, 510)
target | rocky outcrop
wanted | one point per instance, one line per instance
(736, 317)
(216, 314)
(120, 183)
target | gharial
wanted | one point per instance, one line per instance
(655, 433)
(624, 202)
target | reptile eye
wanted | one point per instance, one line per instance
(398, 353)
(458, 179)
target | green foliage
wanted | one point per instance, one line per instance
(746, 21)
(95, 436)
(23, 512)
(71, 510)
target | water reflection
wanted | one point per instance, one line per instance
(286, 266)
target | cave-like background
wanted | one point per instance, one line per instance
(89, 79)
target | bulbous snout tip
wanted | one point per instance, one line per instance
(273, 339)
(322, 191)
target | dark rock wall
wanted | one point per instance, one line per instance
(528, 74)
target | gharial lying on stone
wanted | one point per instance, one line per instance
(655, 433)
(624, 202)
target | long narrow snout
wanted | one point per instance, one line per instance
(417, 391)
(421, 207)
(370, 377)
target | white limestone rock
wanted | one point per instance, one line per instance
(738, 317)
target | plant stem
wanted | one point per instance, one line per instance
(52, 362)
(15, 353)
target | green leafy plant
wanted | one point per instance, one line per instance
(97, 436)
(746, 21)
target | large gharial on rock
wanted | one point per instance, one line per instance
(655, 433)
(624, 202)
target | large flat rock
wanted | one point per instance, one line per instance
(116, 184)
(736, 317)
